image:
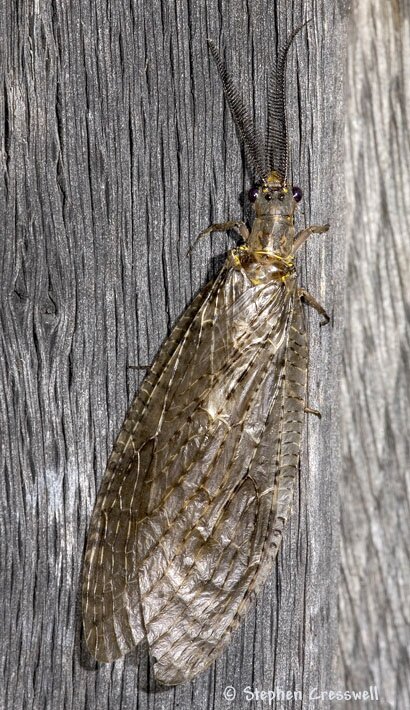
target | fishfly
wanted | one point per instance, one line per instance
(200, 481)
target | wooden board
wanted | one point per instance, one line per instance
(375, 580)
(117, 150)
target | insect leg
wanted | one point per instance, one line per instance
(309, 410)
(236, 225)
(302, 236)
(315, 304)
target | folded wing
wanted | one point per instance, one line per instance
(199, 485)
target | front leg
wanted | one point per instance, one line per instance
(302, 236)
(236, 225)
(315, 304)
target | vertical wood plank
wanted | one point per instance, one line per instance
(117, 150)
(375, 580)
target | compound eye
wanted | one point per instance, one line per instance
(253, 193)
(297, 193)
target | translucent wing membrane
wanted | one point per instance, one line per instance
(199, 485)
(112, 611)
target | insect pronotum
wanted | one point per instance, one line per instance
(200, 482)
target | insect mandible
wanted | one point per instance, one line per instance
(199, 485)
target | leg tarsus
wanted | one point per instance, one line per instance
(309, 410)
(308, 298)
(302, 236)
(235, 225)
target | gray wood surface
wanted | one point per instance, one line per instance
(116, 151)
(374, 631)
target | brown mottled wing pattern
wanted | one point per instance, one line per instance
(192, 507)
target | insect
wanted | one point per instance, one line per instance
(200, 482)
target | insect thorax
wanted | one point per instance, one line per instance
(274, 234)
(262, 265)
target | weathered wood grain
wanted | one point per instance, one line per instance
(375, 581)
(116, 151)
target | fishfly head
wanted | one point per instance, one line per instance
(273, 196)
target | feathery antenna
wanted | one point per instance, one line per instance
(276, 148)
(240, 114)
